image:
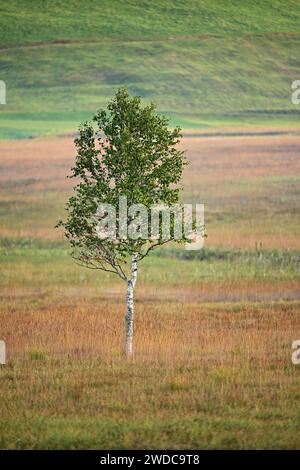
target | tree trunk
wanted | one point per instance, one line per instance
(129, 316)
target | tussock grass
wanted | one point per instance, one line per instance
(203, 376)
(213, 329)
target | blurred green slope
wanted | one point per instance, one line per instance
(205, 63)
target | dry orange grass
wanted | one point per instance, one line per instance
(202, 376)
(249, 185)
(163, 330)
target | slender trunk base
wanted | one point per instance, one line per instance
(129, 315)
(129, 320)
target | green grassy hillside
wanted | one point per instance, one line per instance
(205, 63)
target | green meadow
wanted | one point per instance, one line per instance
(205, 64)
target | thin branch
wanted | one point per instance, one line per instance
(142, 256)
(89, 264)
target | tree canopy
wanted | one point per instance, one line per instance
(125, 151)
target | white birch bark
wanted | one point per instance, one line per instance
(130, 310)
(2, 352)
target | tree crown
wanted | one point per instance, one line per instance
(126, 150)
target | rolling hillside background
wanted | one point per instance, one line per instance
(205, 63)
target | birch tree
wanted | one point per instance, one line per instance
(126, 151)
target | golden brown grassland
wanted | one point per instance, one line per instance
(212, 365)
